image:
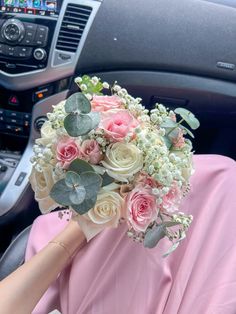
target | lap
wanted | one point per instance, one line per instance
(113, 274)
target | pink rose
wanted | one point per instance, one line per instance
(66, 151)
(91, 151)
(172, 115)
(145, 180)
(171, 201)
(141, 208)
(117, 124)
(179, 141)
(104, 103)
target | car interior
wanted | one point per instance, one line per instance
(178, 53)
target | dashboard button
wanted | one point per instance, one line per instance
(30, 27)
(42, 93)
(14, 121)
(11, 51)
(13, 100)
(14, 128)
(13, 30)
(27, 41)
(26, 123)
(13, 114)
(40, 54)
(42, 29)
(20, 178)
(29, 35)
(9, 127)
(39, 42)
(2, 49)
(18, 129)
(26, 116)
(24, 52)
(41, 36)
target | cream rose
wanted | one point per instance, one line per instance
(48, 134)
(41, 183)
(122, 160)
(106, 213)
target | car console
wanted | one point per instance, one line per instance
(24, 46)
(27, 28)
(40, 45)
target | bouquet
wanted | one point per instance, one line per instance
(109, 160)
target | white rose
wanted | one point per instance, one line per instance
(48, 134)
(42, 183)
(122, 160)
(106, 213)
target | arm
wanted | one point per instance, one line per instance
(34, 277)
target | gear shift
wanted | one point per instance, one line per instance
(8, 164)
(3, 168)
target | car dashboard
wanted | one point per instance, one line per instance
(179, 53)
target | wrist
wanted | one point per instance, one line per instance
(72, 237)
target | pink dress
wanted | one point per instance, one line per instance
(113, 275)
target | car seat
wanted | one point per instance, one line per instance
(14, 256)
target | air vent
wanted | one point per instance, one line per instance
(72, 27)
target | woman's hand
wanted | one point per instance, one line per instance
(35, 276)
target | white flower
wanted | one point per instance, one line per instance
(106, 213)
(94, 80)
(89, 96)
(108, 208)
(122, 160)
(78, 80)
(42, 183)
(116, 88)
(186, 166)
(83, 87)
(105, 85)
(47, 134)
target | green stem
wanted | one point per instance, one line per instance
(175, 127)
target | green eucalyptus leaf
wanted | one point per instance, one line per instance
(173, 133)
(106, 179)
(92, 183)
(167, 142)
(154, 235)
(79, 166)
(170, 223)
(88, 178)
(77, 103)
(77, 196)
(95, 116)
(168, 123)
(188, 117)
(84, 207)
(171, 249)
(60, 193)
(174, 246)
(187, 130)
(72, 179)
(78, 124)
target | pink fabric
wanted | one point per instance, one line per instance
(114, 275)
